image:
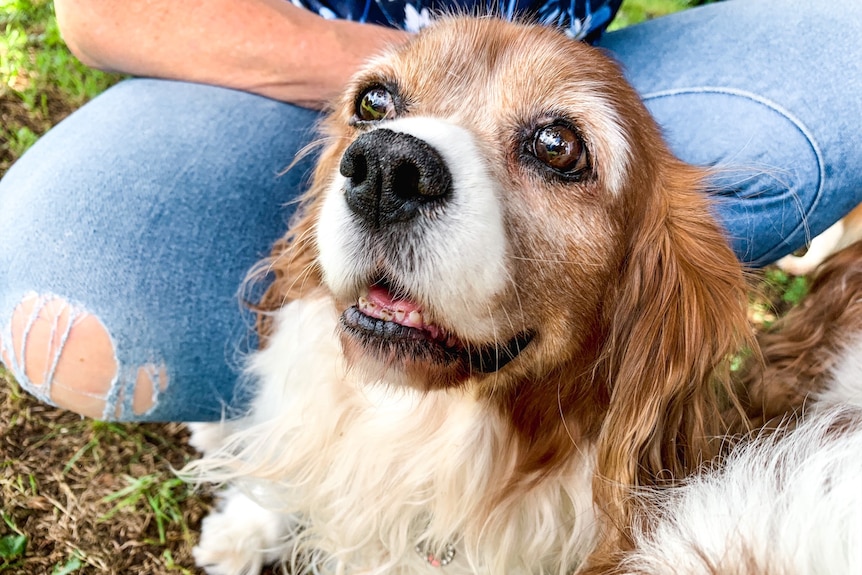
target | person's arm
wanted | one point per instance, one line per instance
(269, 47)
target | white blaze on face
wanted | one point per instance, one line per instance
(459, 254)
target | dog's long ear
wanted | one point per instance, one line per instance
(291, 268)
(677, 316)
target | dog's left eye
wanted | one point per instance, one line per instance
(375, 104)
(559, 147)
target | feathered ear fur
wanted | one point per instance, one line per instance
(292, 265)
(677, 317)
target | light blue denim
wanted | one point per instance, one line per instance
(770, 93)
(147, 207)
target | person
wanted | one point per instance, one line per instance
(129, 227)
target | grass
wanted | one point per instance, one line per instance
(161, 498)
(773, 294)
(79, 496)
(12, 546)
(635, 11)
(40, 81)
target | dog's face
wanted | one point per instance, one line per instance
(496, 212)
(476, 216)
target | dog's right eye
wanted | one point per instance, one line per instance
(375, 104)
(560, 148)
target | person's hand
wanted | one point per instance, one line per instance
(269, 47)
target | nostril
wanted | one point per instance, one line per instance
(354, 166)
(392, 176)
(406, 181)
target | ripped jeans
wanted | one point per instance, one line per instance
(129, 228)
(128, 231)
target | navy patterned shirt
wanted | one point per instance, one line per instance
(580, 19)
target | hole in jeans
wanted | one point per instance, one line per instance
(150, 381)
(63, 354)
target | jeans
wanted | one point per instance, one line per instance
(147, 207)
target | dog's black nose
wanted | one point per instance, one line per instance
(391, 176)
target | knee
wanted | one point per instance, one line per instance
(65, 355)
(768, 169)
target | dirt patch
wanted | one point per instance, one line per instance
(18, 124)
(96, 496)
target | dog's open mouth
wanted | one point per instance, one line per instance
(396, 327)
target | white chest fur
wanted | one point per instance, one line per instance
(371, 472)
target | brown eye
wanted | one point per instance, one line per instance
(375, 104)
(560, 148)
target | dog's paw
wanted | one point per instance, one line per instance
(208, 437)
(242, 537)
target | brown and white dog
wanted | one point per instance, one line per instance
(503, 318)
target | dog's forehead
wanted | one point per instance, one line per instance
(487, 63)
(500, 80)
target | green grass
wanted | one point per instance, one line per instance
(775, 293)
(636, 11)
(34, 60)
(156, 494)
(40, 81)
(13, 545)
(70, 566)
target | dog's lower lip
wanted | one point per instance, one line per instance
(356, 321)
(491, 358)
(417, 344)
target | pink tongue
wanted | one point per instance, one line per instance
(400, 310)
(381, 297)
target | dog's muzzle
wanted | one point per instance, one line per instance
(392, 177)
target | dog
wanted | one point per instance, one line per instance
(787, 503)
(501, 318)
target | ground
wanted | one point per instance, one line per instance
(78, 496)
(85, 497)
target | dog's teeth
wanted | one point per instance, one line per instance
(385, 315)
(400, 315)
(415, 318)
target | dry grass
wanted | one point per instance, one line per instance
(89, 497)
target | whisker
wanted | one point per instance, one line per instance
(310, 148)
(556, 261)
(562, 412)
